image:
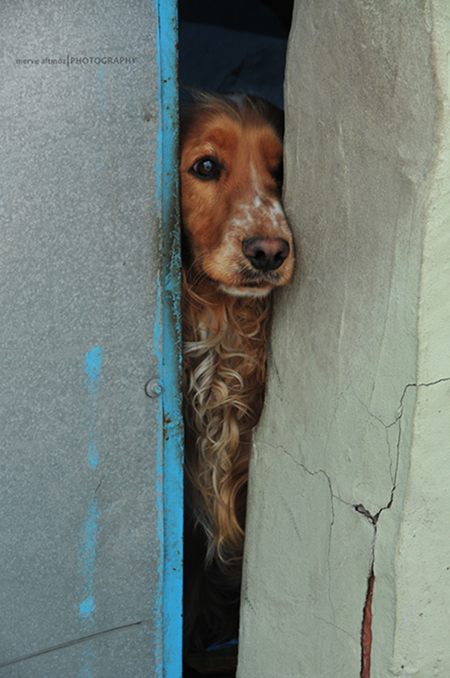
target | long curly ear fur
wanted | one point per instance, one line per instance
(224, 376)
(224, 342)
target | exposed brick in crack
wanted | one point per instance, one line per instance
(366, 629)
(366, 635)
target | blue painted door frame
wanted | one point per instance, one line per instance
(171, 497)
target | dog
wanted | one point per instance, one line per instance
(236, 248)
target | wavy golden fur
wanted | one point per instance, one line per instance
(237, 246)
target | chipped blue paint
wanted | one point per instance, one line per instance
(167, 334)
(87, 608)
(93, 454)
(88, 556)
(93, 367)
(86, 673)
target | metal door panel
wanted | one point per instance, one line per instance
(82, 515)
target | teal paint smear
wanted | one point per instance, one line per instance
(87, 608)
(88, 556)
(93, 454)
(86, 672)
(93, 367)
(93, 361)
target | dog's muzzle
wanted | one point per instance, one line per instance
(265, 254)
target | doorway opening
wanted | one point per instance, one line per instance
(237, 46)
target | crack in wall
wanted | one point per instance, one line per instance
(332, 497)
(366, 629)
(366, 632)
(367, 616)
(397, 420)
(70, 643)
(366, 626)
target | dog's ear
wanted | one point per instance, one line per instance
(273, 114)
(275, 117)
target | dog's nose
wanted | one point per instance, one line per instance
(265, 254)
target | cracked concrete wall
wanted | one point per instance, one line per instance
(423, 554)
(350, 460)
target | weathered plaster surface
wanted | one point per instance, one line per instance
(422, 565)
(359, 338)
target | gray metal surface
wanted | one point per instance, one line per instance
(80, 553)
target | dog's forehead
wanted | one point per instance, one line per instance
(222, 132)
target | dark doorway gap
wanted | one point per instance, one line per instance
(237, 45)
(271, 17)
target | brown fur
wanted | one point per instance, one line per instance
(229, 220)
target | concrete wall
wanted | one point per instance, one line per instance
(350, 467)
(83, 327)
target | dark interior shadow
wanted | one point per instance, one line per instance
(237, 45)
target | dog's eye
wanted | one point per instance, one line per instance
(206, 168)
(278, 175)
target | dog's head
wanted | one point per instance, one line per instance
(234, 227)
